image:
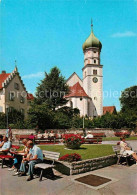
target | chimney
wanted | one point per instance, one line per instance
(3, 72)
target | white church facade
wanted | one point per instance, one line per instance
(87, 94)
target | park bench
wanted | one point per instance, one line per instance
(94, 140)
(54, 156)
(8, 157)
(46, 140)
(122, 158)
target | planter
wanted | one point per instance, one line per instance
(76, 146)
(85, 165)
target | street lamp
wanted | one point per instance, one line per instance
(82, 99)
(7, 108)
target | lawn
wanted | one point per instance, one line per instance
(118, 138)
(86, 151)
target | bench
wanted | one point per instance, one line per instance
(3, 157)
(121, 157)
(46, 140)
(44, 166)
(94, 140)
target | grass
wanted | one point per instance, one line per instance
(86, 151)
(118, 138)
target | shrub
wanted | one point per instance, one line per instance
(70, 157)
(72, 141)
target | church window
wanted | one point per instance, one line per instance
(94, 51)
(94, 61)
(71, 104)
(88, 61)
(95, 72)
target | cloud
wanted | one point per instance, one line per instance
(124, 34)
(36, 75)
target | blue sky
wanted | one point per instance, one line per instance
(40, 34)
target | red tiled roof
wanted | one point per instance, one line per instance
(3, 77)
(109, 109)
(30, 96)
(77, 91)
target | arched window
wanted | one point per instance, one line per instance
(94, 61)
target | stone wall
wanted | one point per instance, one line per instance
(86, 165)
(108, 132)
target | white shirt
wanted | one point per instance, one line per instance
(89, 136)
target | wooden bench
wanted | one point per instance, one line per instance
(54, 156)
(94, 140)
(121, 157)
(21, 137)
(46, 140)
(3, 157)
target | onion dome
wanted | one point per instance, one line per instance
(92, 41)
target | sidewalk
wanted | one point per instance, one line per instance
(125, 183)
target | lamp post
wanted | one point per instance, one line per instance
(82, 99)
(7, 107)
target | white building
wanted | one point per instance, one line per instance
(86, 94)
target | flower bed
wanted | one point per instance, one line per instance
(72, 141)
(70, 157)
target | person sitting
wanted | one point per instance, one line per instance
(39, 135)
(1, 141)
(52, 135)
(46, 135)
(89, 135)
(18, 157)
(35, 156)
(6, 146)
(125, 149)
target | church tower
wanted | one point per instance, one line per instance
(92, 74)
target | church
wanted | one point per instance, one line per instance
(87, 94)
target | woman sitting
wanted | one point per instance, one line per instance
(125, 149)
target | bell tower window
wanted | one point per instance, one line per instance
(95, 72)
(94, 61)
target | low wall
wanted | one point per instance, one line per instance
(86, 165)
(108, 132)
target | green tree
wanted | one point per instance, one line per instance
(41, 116)
(52, 89)
(128, 100)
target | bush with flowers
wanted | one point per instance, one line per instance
(70, 157)
(72, 141)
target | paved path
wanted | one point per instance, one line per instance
(125, 184)
(133, 143)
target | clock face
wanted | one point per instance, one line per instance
(95, 80)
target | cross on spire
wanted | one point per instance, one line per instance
(91, 25)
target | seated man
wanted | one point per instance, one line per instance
(6, 146)
(39, 135)
(1, 141)
(35, 156)
(125, 149)
(46, 135)
(89, 135)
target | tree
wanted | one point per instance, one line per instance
(52, 90)
(128, 100)
(41, 116)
